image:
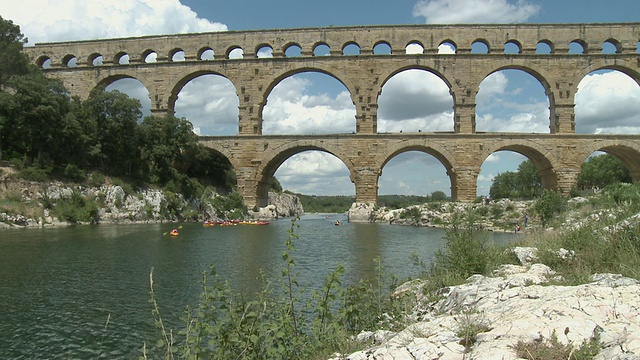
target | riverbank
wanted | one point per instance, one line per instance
(29, 204)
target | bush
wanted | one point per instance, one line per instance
(76, 209)
(548, 205)
(34, 173)
(74, 173)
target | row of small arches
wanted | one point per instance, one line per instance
(322, 49)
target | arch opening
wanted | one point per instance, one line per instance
(382, 48)
(134, 89)
(122, 59)
(512, 100)
(479, 47)
(206, 54)
(210, 103)
(351, 49)
(178, 55)
(447, 47)
(604, 168)
(544, 47)
(306, 170)
(415, 171)
(236, 53)
(512, 47)
(415, 100)
(577, 47)
(414, 48)
(264, 52)
(151, 57)
(293, 50)
(309, 102)
(607, 102)
(322, 50)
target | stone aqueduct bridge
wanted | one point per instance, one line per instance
(557, 155)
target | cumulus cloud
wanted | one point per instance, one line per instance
(474, 11)
(295, 106)
(315, 172)
(64, 20)
(607, 102)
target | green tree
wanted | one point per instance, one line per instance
(548, 205)
(116, 116)
(602, 170)
(12, 60)
(163, 142)
(524, 183)
(34, 114)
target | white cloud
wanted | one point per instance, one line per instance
(296, 107)
(64, 20)
(608, 102)
(315, 172)
(474, 11)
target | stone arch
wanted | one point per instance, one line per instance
(603, 65)
(545, 42)
(217, 146)
(385, 76)
(544, 162)
(120, 57)
(144, 56)
(616, 44)
(202, 52)
(274, 158)
(513, 44)
(91, 59)
(382, 45)
(448, 43)
(292, 47)
(581, 43)
(351, 45)
(327, 70)
(446, 158)
(319, 49)
(542, 79)
(480, 42)
(627, 151)
(181, 79)
(42, 61)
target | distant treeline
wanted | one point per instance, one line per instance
(340, 204)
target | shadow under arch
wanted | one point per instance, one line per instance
(627, 152)
(537, 154)
(180, 80)
(276, 157)
(445, 157)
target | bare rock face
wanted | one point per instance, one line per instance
(515, 306)
(280, 205)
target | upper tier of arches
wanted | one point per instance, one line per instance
(514, 39)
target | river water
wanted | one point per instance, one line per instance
(82, 292)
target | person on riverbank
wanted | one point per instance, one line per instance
(526, 219)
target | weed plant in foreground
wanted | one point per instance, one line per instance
(280, 321)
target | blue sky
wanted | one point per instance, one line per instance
(507, 100)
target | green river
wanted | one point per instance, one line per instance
(82, 292)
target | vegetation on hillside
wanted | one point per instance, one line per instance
(46, 134)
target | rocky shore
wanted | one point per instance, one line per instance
(116, 206)
(487, 317)
(500, 215)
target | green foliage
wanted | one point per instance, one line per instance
(74, 173)
(325, 204)
(276, 322)
(525, 183)
(412, 213)
(542, 349)
(12, 60)
(466, 253)
(34, 173)
(230, 207)
(602, 170)
(548, 205)
(76, 209)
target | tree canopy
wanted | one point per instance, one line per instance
(602, 170)
(525, 183)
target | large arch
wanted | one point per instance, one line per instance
(628, 152)
(275, 158)
(318, 68)
(544, 162)
(537, 75)
(447, 159)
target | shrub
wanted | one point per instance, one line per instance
(34, 173)
(548, 205)
(74, 173)
(76, 209)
